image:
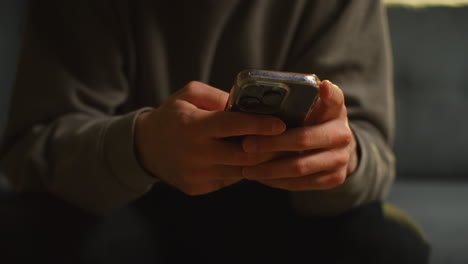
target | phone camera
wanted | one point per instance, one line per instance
(272, 98)
(262, 99)
(249, 102)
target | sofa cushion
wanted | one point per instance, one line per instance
(430, 47)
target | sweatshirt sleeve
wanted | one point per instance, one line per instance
(65, 134)
(347, 43)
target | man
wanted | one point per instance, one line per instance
(105, 111)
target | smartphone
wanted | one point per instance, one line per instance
(286, 95)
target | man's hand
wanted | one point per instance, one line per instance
(326, 146)
(181, 141)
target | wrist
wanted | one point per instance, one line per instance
(353, 157)
(139, 140)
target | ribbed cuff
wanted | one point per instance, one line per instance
(377, 162)
(330, 202)
(370, 181)
(120, 152)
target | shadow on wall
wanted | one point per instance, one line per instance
(430, 47)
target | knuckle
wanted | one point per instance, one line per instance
(193, 129)
(345, 136)
(191, 87)
(265, 124)
(342, 159)
(300, 168)
(335, 179)
(303, 139)
(185, 121)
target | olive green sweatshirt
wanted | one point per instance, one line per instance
(88, 68)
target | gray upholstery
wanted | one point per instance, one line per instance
(431, 87)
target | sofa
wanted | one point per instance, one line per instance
(430, 48)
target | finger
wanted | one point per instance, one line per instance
(222, 152)
(298, 166)
(332, 134)
(206, 187)
(222, 172)
(221, 124)
(204, 96)
(331, 95)
(230, 181)
(330, 104)
(319, 181)
(210, 174)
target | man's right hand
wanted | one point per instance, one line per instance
(181, 142)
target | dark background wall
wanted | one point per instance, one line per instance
(9, 44)
(11, 13)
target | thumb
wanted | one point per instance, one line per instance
(330, 104)
(204, 96)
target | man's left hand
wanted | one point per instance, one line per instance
(322, 152)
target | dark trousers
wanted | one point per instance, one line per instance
(242, 224)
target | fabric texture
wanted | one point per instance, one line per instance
(88, 68)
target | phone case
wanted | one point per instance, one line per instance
(289, 96)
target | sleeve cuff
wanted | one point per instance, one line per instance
(376, 168)
(120, 153)
(330, 202)
(367, 183)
